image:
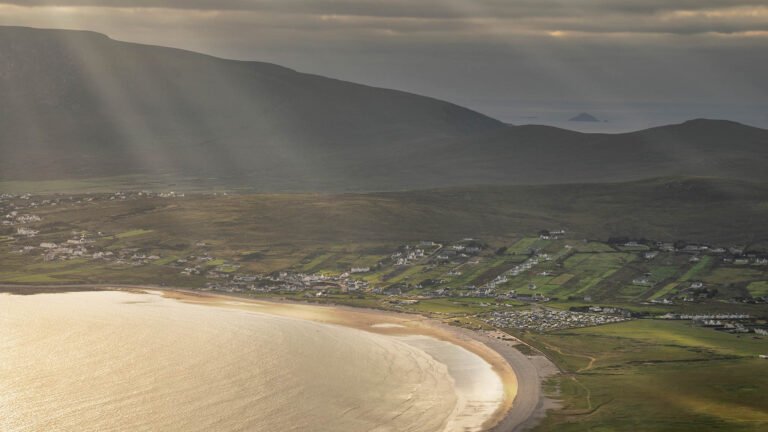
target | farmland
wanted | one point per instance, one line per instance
(654, 375)
(651, 331)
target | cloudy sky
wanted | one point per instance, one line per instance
(632, 63)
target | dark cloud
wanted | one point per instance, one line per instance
(418, 8)
(599, 16)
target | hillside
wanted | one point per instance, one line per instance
(540, 154)
(706, 210)
(78, 105)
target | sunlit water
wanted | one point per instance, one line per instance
(108, 361)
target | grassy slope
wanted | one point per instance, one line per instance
(666, 209)
(269, 232)
(655, 375)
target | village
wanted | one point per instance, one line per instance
(542, 319)
(548, 267)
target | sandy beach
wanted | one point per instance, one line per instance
(523, 403)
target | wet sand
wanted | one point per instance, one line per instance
(523, 403)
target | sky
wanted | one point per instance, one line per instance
(630, 63)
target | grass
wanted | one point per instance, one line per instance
(697, 269)
(591, 269)
(132, 233)
(660, 273)
(591, 247)
(693, 396)
(523, 245)
(28, 278)
(730, 275)
(758, 289)
(667, 289)
(681, 333)
(651, 375)
(448, 306)
(560, 280)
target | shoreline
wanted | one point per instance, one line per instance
(521, 408)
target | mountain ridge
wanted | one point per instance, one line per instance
(81, 105)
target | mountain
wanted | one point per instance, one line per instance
(78, 105)
(584, 117)
(541, 154)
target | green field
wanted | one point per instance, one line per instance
(695, 271)
(641, 375)
(758, 289)
(331, 234)
(592, 269)
(655, 376)
(133, 233)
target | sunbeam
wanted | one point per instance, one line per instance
(367, 215)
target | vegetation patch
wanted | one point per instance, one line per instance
(655, 375)
(133, 233)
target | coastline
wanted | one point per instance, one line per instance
(523, 404)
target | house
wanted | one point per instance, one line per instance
(27, 232)
(643, 281)
(650, 255)
(667, 247)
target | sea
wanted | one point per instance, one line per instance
(127, 361)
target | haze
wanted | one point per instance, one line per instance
(631, 64)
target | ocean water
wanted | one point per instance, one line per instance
(118, 361)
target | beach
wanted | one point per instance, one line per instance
(503, 388)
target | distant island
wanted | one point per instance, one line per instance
(584, 117)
